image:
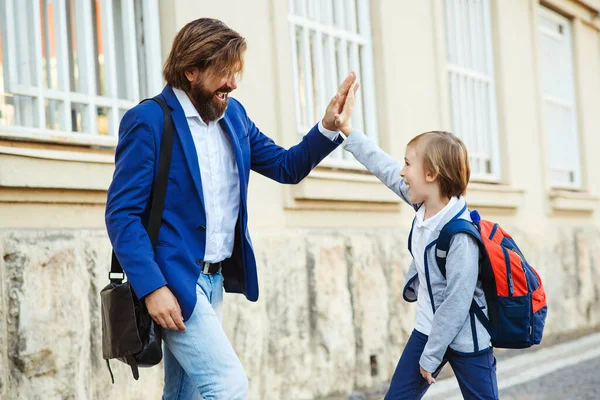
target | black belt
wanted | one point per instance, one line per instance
(212, 268)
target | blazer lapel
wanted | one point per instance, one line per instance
(187, 142)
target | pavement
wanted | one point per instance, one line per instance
(564, 371)
(580, 381)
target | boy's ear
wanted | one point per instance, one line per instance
(430, 177)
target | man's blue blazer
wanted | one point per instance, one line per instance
(177, 258)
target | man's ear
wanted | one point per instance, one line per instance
(191, 73)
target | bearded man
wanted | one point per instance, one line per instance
(204, 246)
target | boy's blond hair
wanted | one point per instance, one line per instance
(446, 156)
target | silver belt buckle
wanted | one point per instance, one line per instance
(206, 267)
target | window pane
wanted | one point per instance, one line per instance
(339, 14)
(1, 66)
(355, 4)
(18, 110)
(351, 21)
(301, 78)
(79, 120)
(326, 11)
(120, 56)
(102, 120)
(25, 53)
(360, 99)
(72, 40)
(314, 84)
(98, 48)
(54, 114)
(141, 50)
(553, 43)
(340, 61)
(48, 30)
(300, 7)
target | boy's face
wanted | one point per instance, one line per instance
(415, 176)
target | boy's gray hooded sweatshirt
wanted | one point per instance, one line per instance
(453, 325)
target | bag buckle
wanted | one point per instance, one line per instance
(116, 276)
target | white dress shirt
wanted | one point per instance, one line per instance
(420, 239)
(220, 179)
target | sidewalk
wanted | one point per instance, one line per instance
(523, 368)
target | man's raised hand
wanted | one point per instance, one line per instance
(343, 120)
(336, 104)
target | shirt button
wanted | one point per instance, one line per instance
(199, 262)
(202, 228)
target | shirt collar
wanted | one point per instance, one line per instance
(188, 108)
(432, 222)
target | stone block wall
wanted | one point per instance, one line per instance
(330, 318)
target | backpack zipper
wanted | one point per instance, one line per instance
(511, 287)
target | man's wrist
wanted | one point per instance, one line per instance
(327, 129)
(331, 135)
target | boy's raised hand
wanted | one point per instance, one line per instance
(343, 120)
(337, 103)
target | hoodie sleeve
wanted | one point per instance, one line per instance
(462, 268)
(379, 163)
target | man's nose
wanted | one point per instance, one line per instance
(232, 83)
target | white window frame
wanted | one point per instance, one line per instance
(567, 102)
(29, 10)
(471, 82)
(323, 23)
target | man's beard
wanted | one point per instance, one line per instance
(209, 107)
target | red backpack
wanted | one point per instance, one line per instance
(513, 290)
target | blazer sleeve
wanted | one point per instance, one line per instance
(287, 165)
(128, 200)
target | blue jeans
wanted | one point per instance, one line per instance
(201, 363)
(476, 374)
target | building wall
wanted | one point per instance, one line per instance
(332, 250)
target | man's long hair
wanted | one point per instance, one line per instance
(207, 44)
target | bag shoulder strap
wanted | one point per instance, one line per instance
(159, 193)
(164, 164)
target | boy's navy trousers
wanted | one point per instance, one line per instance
(476, 373)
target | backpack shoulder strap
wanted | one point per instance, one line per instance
(410, 235)
(453, 227)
